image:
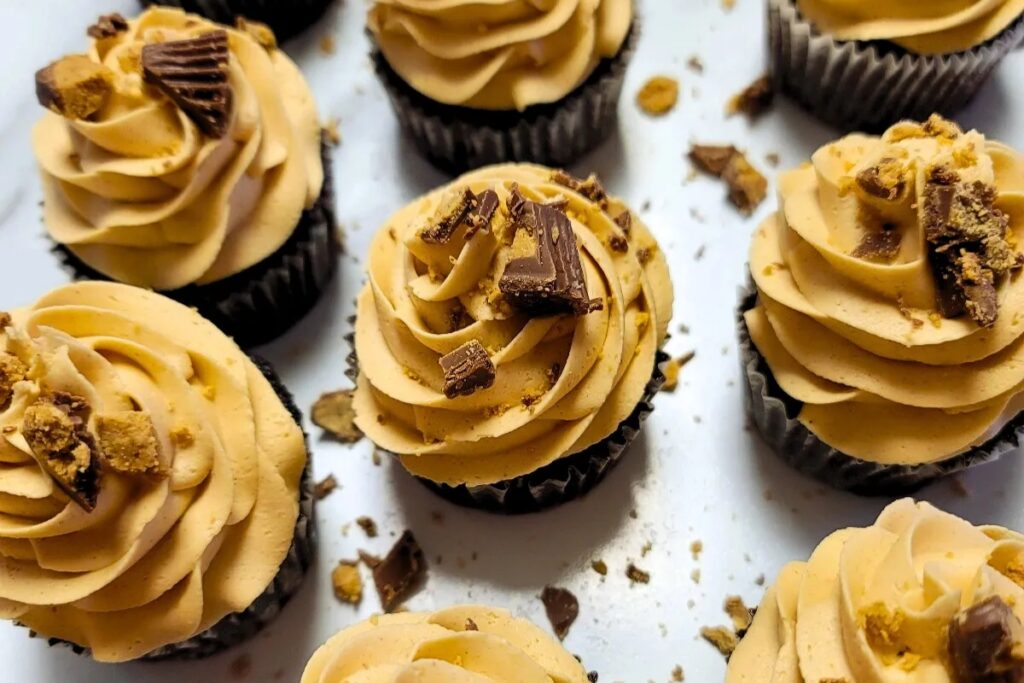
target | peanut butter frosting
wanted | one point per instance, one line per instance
(544, 385)
(930, 27)
(894, 602)
(465, 644)
(144, 194)
(889, 291)
(500, 54)
(149, 474)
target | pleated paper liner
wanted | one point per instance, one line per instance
(871, 85)
(263, 301)
(286, 17)
(237, 628)
(775, 414)
(559, 482)
(457, 139)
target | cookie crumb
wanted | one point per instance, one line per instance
(696, 548)
(127, 440)
(677, 674)
(671, 370)
(637, 575)
(721, 638)
(658, 96)
(695, 64)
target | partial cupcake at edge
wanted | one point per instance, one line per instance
(186, 157)
(507, 339)
(920, 595)
(463, 643)
(884, 342)
(155, 499)
(866, 65)
(482, 83)
(285, 17)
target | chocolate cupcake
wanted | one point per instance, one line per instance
(473, 84)
(507, 337)
(285, 17)
(157, 502)
(866, 65)
(456, 644)
(883, 347)
(185, 157)
(920, 595)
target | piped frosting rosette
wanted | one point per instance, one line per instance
(149, 473)
(890, 303)
(510, 319)
(457, 645)
(920, 595)
(178, 167)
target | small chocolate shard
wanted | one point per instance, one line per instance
(471, 625)
(399, 571)
(886, 180)
(467, 369)
(879, 245)
(985, 644)
(334, 413)
(753, 100)
(12, 371)
(618, 243)
(480, 217)
(590, 188)
(550, 280)
(127, 440)
(712, 159)
(516, 201)
(625, 221)
(453, 210)
(193, 73)
(258, 31)
(637, 575)
(325, 487)
(75, 86)
(107, 26)
(55, 429)
(562, 609)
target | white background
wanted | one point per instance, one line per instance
(698, 473)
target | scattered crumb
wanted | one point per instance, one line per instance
(723, 639)
(600, 567)
(368, 526)
(699, 254)
(347, 582)
(399, 572)
(562, 608)
(376, 457)
(728, 4)
(671, 369)
(637, 575)
(747, 186)
(241, 666)
(738, 612)
(334, 413)
(331, 133)
(325, 487)
(695, 64)
(773, 159)
(647, 547)
(327, 46)
(695, 576)
(759, 580)
(677, 673)
(695, 549)
(658, 96)
(753, 100)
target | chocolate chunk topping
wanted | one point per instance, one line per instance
(618, 243)
(550, 279)
(480, 217)
(74, 86)
(590, 188)
(562, 608)
(984, 645)
(454, 208)
(753, 100)
(398, 573)
(466, 369)
(747, 187)
(886, 180)
(55, 429)
(625, 221)
(712, 159)
(129, 445)
(107, 26)
(194, 74)
(967, 243)
(879, 245)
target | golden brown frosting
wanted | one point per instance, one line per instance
(500, 54)
(140, 194)
(562, 382)
(160, 558)
(858, 339)
(466, 644)
(874, 604)
(930, 27)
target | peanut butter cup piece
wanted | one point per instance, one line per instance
(334, 413)
(128, 442)
(712, 159)
(55, 429)
(753, 100)
(107, 26)
(193, 73)
(399, 572)
(879, 245)
(985, 644)
(591, 188)
(562, 609)
(74, 86)
(886, 180)
(467, 369)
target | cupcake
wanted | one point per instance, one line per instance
(865, 65)
(883, 344)
(185, 157)
(477, 83)
(285, 17)
(465, 643)
(921, 595)
(507, 337)
(155, 496)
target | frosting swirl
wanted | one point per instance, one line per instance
(164, 553)
(138, 192)
(459, 644)
(561, 383)
(921, 27)
(503, 54)
(849, 308)
(874, 604)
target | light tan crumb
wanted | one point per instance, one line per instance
(671, 369)
(723, 639)
(327, 45)
(333, 412)
(695, 549)
(637, 575)
(738, 612)
(695, 576)
(677, 673)
(658, 96)
(347, 582)
(647, 547)
(727, 5)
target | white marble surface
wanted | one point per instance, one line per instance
(697, 474)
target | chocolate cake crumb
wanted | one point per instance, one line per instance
(74, 86)
(625, 221)
(368, 559)
(55, 428)
(107, 26)
(658, 96)
(128, 442)
(637, 575)
(334, 413)
(753, 100)
(888, 180)
(347, 582)
(724, 640)
(398, 573)
(562, 609)
(368, 526)
(325, 487)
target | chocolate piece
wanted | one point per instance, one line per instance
(12, 371)
(753, 100)
(471, 625)
(562, 608)
(625, 221)
(590, 188)
(879, 245)
(128, 443)
(194, 74)
(325, 487)
(550, 280)
(368, 526)
(397, 573)
(637, 575)
(455, 206)
(984, 644)
(466, 369)
(55, 429)
(618, 243)
(712, 159)
(747, 187)
(258, 31)
(333, 412)
(74, 86)
(886, 180)
(480, 217)
(107, 26)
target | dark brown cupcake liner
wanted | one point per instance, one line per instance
(871, 85)
(559, 482)
(285, 17)
(775, 414)
(237, 628)
(265, 300)
(457, 139)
